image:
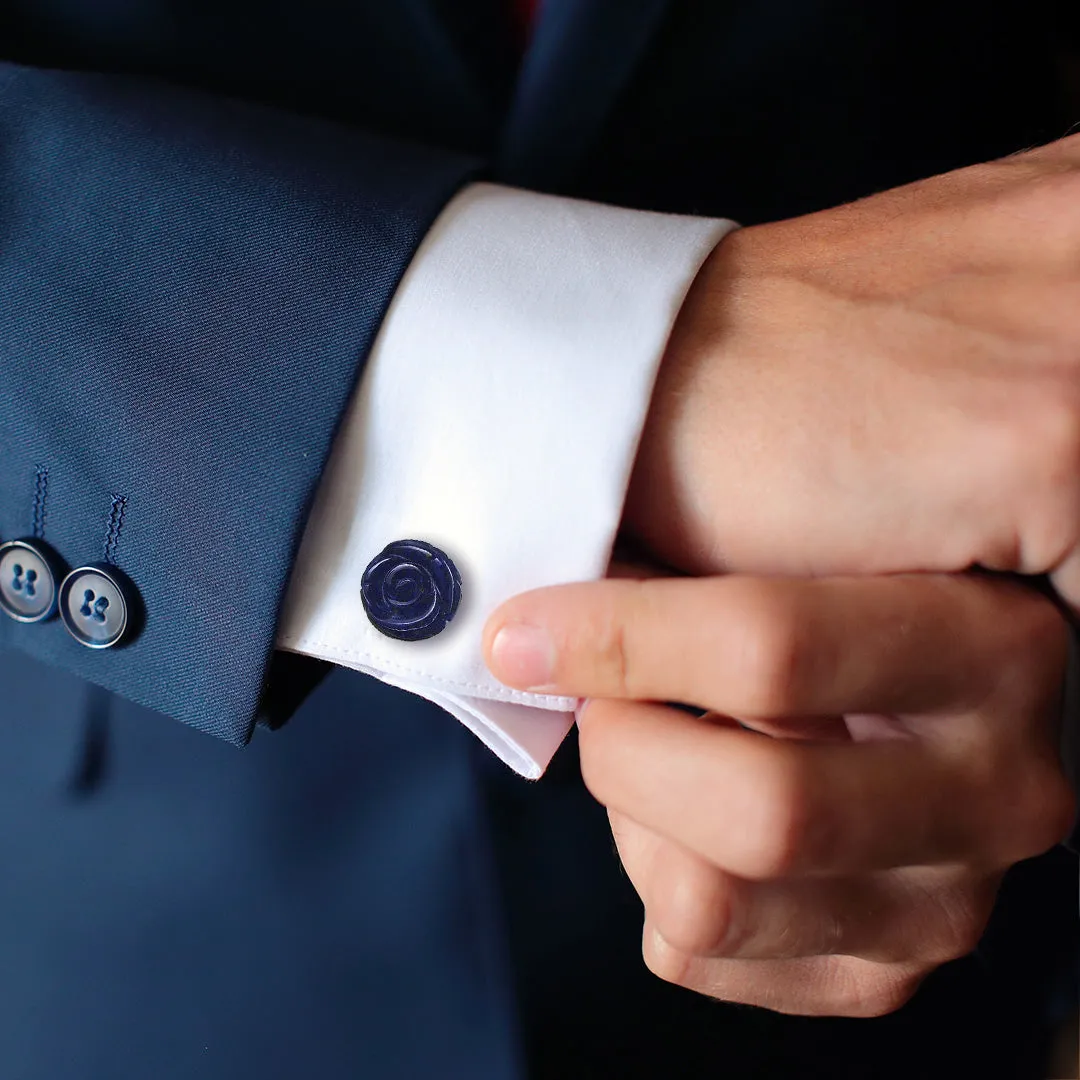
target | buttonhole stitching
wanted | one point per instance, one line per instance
(114, 525)
(41, 495)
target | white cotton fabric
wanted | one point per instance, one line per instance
(497, 418)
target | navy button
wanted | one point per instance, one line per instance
(411, 590)
(29, 572)
(95, 605)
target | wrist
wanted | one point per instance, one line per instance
(667, 509)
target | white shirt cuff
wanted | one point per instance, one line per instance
(498, 419)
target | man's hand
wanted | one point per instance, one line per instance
(892, 385)
(829, 869)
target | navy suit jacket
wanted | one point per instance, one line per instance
(205, 208)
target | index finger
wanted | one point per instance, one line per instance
(764, 808)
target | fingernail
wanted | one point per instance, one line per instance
(524, 656)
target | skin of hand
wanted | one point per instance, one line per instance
(888, 386)
(896, 752)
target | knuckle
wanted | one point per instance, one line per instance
(622, 642)
(777, 834)
(664, 961)
(770, 658)
(692, 915)
(613, 649)
(1035, 809)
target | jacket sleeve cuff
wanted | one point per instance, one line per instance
(498, 420)
(190, 287)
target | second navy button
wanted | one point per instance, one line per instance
(94, 606)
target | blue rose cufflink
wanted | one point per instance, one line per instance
(411, 590)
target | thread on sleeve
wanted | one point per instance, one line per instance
(41, 496)
(114, 526)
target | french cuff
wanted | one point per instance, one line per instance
(497, 419)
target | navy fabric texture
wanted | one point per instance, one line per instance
(190, 287)
(320, 906)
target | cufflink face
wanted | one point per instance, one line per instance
(29, 572)
(411, 590)
(95, 606)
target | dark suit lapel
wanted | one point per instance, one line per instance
(582, 53)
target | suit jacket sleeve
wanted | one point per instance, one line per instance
(189, 289)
